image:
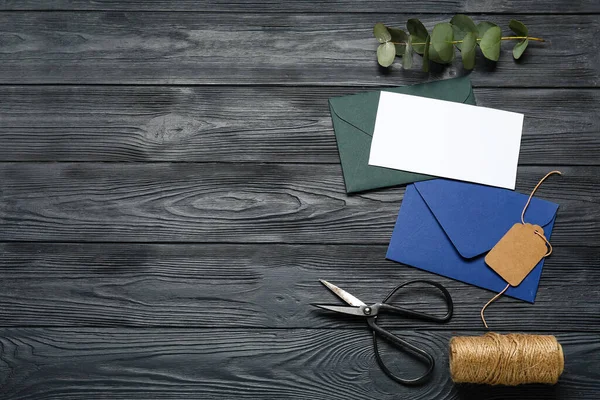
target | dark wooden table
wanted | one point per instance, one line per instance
(170, 194)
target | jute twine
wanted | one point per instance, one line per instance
(511, 359)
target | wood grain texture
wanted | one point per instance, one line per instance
(263, 124)
(264, 286)
(170, 194)
(274, 49)
(343, 6)
(249, 364)
(266, 203)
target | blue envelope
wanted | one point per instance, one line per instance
(446, 227)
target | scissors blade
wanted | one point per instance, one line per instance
(342, 309)
(342, 294)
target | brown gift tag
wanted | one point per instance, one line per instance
(518, 252)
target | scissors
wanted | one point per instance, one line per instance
(371, 312)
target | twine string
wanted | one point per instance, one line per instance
(547, 243)
(533, 192)
(490, 302)
(541, 235)
(511, 359)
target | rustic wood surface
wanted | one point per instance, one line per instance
(210, 363)
(237, 203)
(263, 124)
(267, 286)
(339, 6)
(315, 49)
(170, 194)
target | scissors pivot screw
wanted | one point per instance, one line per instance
(367, 310)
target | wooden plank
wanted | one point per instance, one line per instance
(267, 364)
(266, 203)
(263, 286)
(263, 124)
(274, 49)
(343, 6)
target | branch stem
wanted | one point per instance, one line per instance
(479, 40)
(535, 39)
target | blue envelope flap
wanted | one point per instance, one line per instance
(475, 217)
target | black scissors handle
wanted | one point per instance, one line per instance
(417, 314)
(403, 344)
(425, 356)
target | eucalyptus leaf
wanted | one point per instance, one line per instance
(518, 27)
(482, 28)
(418, 34)
(399, 38)
(419, 46)
(441, 40)
(397, 35)
(407, 59)
(435, 57)
(381, 33)
(426, 55)
(386, 53)
(520, 48)
(490, 43)
(468, 50)
(462, 24)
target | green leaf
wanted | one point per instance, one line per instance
(483, 27)
(520, 48)
(407, 59)
(435, 57)
(426, 55)
(518, 27)
(468, 50)
(418, 34)
(381, 33)
(441, 40)
(520, 30)
(386, 53)
(462, 24)
(490, 43)
(398, 36)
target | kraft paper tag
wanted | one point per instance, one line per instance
(517, 253)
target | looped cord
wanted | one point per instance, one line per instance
(533, 192)
(536, 232)
(547, 243)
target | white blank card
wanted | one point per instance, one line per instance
(447, 139)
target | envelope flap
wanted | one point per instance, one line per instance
(360, 110)
(475, 217)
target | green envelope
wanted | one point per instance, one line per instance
(354, 120)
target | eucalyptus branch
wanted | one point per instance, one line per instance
(438, 46)
(478, 40)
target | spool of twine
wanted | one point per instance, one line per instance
(511, 359)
